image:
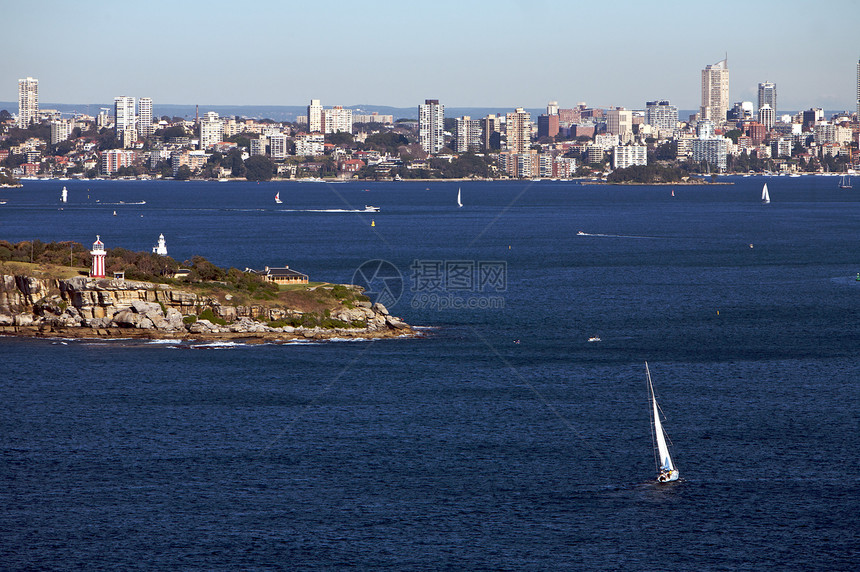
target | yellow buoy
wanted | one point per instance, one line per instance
(372, 222)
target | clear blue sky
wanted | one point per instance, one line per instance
(502, 53)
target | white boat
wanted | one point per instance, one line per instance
(278, 197)
(371, 209)
(64, 195)
(765, 196)
(459, 199)
(666, 469)
(845, 182)
(114, 213)
(594, 339)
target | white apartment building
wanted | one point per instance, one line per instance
(661, 115)
(124, 118)
(712, 150)
(144, 117)
(310, 145)
(211, 130)
(766, 116)
(337, 120)
(624, 156)
(467, 134)
(258, 146)
(28, 102)
(315, 117)
(278, 146)
(61, 129)
(431, 126)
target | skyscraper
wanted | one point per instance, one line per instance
(211, 130)
(431, 126)
(767, 95)
(124, 118)
(144, 117)
(28, 102)
(715, 92)
(766, 116)
(315, 116)
(519, 130)
(336, 120)
(858, 89)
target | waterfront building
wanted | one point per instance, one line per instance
(258, 146)
(711, 150)
(310, 144)
(624, 156)
(661, 114)
(113, 159)
(28, 102)
(767, 95)
(619, 121)
(337, 120)
(595, 154)
(431, 126)
(519, 131)
(766, 116)
(124, 118)
(211, 130)
(467, 134)
(715, 92)
(315, 116)
(144, 117)
(98, 253)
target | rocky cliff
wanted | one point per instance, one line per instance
(82, 307)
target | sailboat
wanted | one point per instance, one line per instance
(845, 182)
(673, 192)
(665, 467)
(765, 196)
(459, 199)
(278, 197)
(64, 195)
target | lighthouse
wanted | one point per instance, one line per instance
(160, 248)
(98, 252)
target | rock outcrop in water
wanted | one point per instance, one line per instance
(86, 307)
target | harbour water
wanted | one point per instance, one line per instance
(502, 438)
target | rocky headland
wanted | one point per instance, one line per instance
(83, 307)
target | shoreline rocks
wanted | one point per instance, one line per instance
(99, 308)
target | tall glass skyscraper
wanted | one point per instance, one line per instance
(767, 95)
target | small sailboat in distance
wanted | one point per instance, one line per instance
(64, 195)
(459, 198)
(666, 469)
(278, 197)
(765, 196)
(845, 182)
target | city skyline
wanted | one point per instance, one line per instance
(363, 58)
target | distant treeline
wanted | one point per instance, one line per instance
(648, 174)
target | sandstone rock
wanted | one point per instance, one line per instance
(23, 320)
(126, 319)
(396, 323)
(142, 307)
(203, 327)
(6, 320)
(379, 308)
(364, 304)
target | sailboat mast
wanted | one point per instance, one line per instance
(653, 415)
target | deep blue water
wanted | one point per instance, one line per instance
(463, 449)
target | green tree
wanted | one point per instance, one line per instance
(183, 173)
(259, 168)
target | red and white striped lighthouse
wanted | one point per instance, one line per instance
(98, 252)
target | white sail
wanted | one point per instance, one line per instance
(765, 196)
(459, 201)
(278, 197)
(667, 469)
(64, 195)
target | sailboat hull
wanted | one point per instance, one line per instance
(668, 476)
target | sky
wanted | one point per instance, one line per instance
(501, 53)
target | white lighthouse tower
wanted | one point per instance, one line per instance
(160, 248)
(98, 252)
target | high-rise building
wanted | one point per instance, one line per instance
(858, 89)
(661, 115)
(315, 116)
(278, 146)
(61, 129)
(490, 132)
(467, 134)
(624, 156)
(519, 131)
(552, 108)
(715, 92)
(28, 102)
(211, 130)
(767, 95)
(619, 121)
(144, 117)
(124, 117)
(431, 126)
(336, 120)
(766, 116)
(547, 126)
